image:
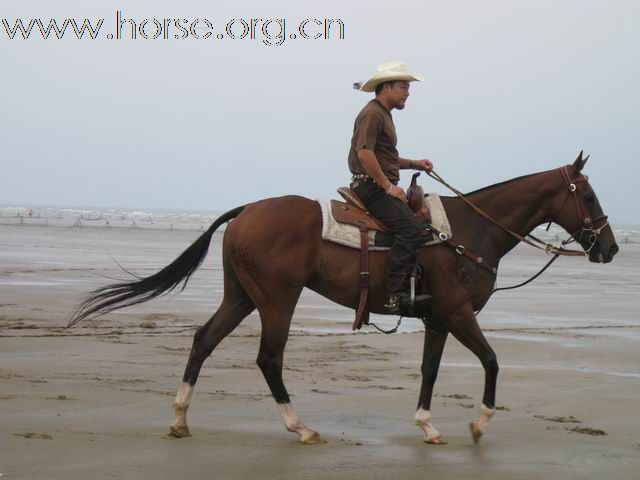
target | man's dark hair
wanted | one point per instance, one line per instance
(380, 86)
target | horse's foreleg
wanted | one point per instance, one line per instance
(206, 338)
(464, 326)
(293, 424)
(275, 331)
(434, 340)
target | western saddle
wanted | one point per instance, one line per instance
(354, 212)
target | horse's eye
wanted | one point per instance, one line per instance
(589, 197)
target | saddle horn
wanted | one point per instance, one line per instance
(415, 194)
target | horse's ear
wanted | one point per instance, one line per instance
(579, 163)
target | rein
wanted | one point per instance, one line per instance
(540, 272)
(547, 247)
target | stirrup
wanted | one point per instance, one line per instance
(402, 304)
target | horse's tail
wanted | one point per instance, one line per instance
(118, 295)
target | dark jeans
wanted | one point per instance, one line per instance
(396, 215)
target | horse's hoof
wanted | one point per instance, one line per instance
(180, 431)
(476, 433)
(435, 441)
(313, 439)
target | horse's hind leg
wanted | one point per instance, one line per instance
(235, 307)
(276, 302)
(275, 331)
(274, 247)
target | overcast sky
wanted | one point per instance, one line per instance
(511, 87)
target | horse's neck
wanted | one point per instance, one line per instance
(519, 205)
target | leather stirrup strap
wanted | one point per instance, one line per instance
(362, 313)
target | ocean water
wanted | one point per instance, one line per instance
(81, 217)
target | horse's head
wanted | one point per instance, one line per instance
(581, 215)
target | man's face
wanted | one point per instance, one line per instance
(397, 93)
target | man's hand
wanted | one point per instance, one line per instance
(398, 192)
(422, 165)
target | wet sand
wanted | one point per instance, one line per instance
(95, 401)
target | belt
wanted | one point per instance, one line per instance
(365, 178)
(360, 176)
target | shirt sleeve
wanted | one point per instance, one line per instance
(367, 130)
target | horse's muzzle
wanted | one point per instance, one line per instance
(611, 253)
(600, 255)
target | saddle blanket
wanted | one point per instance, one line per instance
(349, 235)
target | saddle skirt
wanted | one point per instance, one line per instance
(380, 239)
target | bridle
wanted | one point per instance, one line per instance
(586, 222)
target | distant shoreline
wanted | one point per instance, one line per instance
(189, 220)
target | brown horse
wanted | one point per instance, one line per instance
(273, 249)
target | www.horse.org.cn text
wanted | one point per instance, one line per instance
(266, 31)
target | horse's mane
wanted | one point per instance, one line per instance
(499, 184)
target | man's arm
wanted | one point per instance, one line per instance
(372, 167)
(422, 165)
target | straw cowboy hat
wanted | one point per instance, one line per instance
(386, 73)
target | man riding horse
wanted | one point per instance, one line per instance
(274, 249)
(375, 163)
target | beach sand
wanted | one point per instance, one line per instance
(94, 401)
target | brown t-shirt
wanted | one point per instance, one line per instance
(374, 130)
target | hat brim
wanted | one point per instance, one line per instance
(371, 84)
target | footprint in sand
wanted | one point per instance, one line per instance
(41, 436)
(587, 431)
(571, 419)
(352, 378)
(457, 396)
(59, 397)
